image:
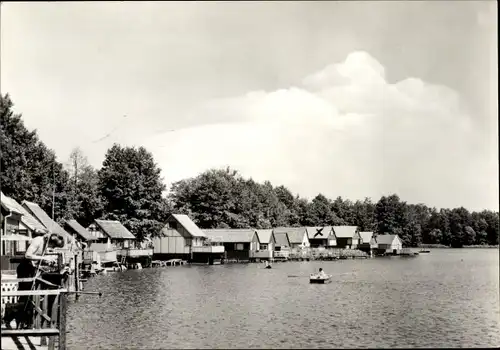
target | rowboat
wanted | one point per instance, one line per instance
(315, 278)
(424, 251)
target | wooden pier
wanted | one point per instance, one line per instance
(171, 262)
(48, 316)
(47, 306)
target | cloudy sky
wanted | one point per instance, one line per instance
(352, 99)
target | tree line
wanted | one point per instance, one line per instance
(129, 188)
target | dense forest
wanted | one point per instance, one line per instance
(128, 187)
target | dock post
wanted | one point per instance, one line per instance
(77, 276)
(62, 321)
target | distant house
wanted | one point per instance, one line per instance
(296, 235)
(183, 239)
(267, 244)
(239, 244)
(78, 231)
(113, 233)
(321, 236)
(389, 244)
(347, 236)
(52, 226)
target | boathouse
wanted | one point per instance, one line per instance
(183, 239)
(367, 242)
(321, 236)
(296, 235)
(52, 226)
(18, 227)
(113, 233)
(78, 231)
(389, 244)
(347, 236)
(267, 244)
(239, 244)
(282, 249)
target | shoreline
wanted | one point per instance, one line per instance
(438, 246)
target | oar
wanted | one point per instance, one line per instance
(91, 293)
(298, 275)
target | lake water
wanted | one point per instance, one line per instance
(448, 298)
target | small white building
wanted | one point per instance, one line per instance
(266, 245)
(389, 244)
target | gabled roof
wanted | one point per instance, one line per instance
(114, 229)
(188, 225)
(10, 204)
(319, 232)
(282, 239)
(295, 234)
(26, 218)
(231, 235)
(265, 236)
(45, 220)
(366, 236)
(386, 239)
(344, 231)
(74, 226)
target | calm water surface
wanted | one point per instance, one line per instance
(448, 298)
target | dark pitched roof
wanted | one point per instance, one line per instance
(231, 235)
(114, 229)
(75, 227)
(188, 225)
(282, 239)
(45, 220)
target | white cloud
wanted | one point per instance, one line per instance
(344, 131)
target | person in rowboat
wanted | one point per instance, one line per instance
(322, 273)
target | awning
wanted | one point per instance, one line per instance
(15, 237)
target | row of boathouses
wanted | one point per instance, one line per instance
(109, 242)
(183, 239)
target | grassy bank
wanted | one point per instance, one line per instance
(481, 246)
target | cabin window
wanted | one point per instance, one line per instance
(189, 242)
(238, 246)
(263, 247)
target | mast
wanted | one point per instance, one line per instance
(53, 197)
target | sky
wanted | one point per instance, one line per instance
(353, 99)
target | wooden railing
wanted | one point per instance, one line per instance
(281, 253)
(48, 308)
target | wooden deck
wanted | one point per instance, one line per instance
(21, 342)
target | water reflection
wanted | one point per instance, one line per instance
(434, 300)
